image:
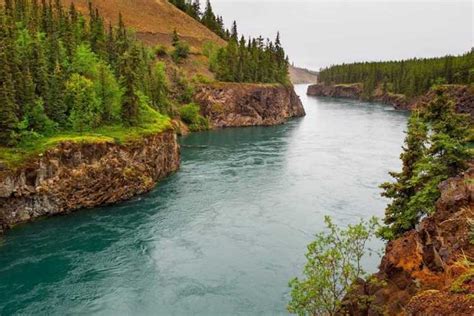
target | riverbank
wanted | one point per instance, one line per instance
(74, 175)
(462, 95)
(70, 172)
(241, 210)
(428, 270)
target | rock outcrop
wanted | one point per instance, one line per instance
(348, 91)
(429, 270)
(82, 175)
(237, 104)
(461, 94)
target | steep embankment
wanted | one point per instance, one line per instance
(232, 104)
(428, 271)
(81, 175)
(463, 96)
(355, 91)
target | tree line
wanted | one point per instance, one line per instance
(208, 18)
(410, 77)
(61, 71)
(252, 60)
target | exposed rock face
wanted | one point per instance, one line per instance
(349, 91)
(423, 270)
(82, 175)
(232, 104)
(462, 95)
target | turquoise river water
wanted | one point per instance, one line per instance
(223, 235)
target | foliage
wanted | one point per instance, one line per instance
(436, 148)
(184, 90)
(255, 60)
(59, 72)
(180, 52)
(334, 263)
(207, 17)
(84, 103)
(161, 51)
(252, 61)
(191, 116)
(411, 77)
(159, 88)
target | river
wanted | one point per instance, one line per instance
(223, 235)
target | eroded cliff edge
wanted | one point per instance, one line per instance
(73, 175)
(461, 94)
(427, 271)
(238, 104)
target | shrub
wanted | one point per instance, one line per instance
(161, 51)
(191, 116)
(181, 51)
(334, 264)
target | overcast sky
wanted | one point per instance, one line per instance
(318, 33)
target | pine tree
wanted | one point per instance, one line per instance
(403, 189)
(56, 108)
(175, 38)
(130, 104)
(8, 109)
(436, 149)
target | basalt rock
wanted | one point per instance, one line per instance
(233, 104)
(72, 175)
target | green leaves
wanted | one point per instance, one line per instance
(190, 115)
(436, 148)
(333, 264)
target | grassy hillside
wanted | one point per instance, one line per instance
(153, 20)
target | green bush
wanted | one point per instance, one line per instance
(334, 264)
(191, 116)
(161, 51)
(181, 51)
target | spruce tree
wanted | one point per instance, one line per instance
(130, 103)
(401, 191)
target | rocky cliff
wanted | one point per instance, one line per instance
(461, 94)
(348, 91)
(429, 270)
(236, 104)
(82, 175)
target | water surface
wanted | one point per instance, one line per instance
(224, 234)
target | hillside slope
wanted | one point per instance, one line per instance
(302, 75)
(153, 20)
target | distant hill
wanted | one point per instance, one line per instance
(302, 75)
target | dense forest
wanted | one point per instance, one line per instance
(61, 71)
(411, 77)
(252, 60)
